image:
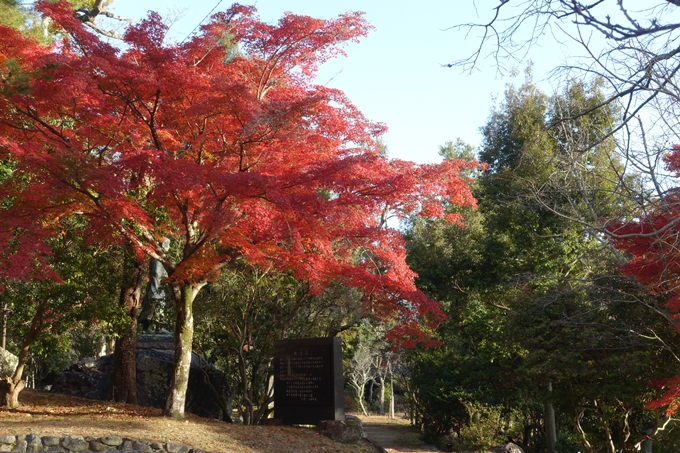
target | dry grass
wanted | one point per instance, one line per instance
(46, 413)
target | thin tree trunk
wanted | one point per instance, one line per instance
(124, 377)
(579, 429)
(10, 387)
(363, 408)
(5, 314)
(247, 406)
(381, 402)
(360, 397)
(550, 431)
(609, 441)
(389, 367)
(550, 428)
(184, 336)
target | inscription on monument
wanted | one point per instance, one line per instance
(308, 380)
(303, 377)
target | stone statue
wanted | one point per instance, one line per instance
(154, 298)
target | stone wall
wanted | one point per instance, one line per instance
(32, 443)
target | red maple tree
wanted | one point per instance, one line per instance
(223, 144)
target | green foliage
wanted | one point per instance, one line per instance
(19, 16)
(242, 313)
(436, 405)
(76, 311)
(530, 288)
(13, 14)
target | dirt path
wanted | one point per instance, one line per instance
(396, 436)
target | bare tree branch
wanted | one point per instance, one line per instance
(88, 16)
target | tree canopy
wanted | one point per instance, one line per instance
(229, 154)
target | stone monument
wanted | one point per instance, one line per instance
(308, 384)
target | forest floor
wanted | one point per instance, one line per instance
(45, 413)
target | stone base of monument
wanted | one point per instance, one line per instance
(340, 431)
(91, 378)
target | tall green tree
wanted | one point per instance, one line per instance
(529, 285)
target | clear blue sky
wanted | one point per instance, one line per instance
(394, 75)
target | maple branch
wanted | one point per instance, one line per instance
(272, 61)
(31, 113)
(152, 121)
(131, 103)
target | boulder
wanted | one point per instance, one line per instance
(508, 448)
(352, 420)
(154, 372)
(8, 363)
(91, 379)
(340, 431)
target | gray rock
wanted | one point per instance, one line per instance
(87, 379)
(156, 446)
(74, 443)
(112, 441)
(50, 441)
(22, 437)
(339, 431)
(95, 445)
(33, 443)
(126, 445)
(141, 446)
(508, 448)
(352, 420)
(8, 439)
(176, 448)
(8, 363)
(20, 446)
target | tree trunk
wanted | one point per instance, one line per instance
(124, 377)
(246, 407)
(9, 392)
(389, 365)
(381, 399)
(363, 408)
(11, 387)
(550, 430)
(184, 335)
(5, 314)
